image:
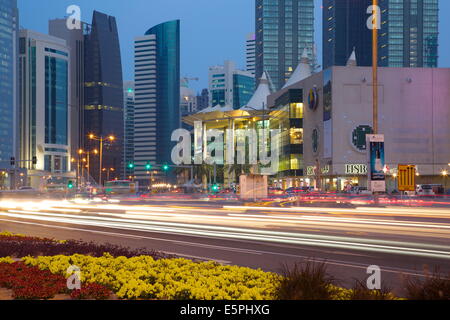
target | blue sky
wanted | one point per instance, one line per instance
(211, 30)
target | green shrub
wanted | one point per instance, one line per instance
(307, 281)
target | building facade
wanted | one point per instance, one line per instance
(229, 86)
(75, 42)
(9, 34)
(128, 136)
(157, 97)
(284, 28)
(408, 36)
(250, 53)
(103, 94)
(414, 116)
(203, 100)
(44, 65)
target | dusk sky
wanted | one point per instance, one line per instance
(211, 30)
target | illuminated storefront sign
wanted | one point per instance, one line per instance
(356, 169)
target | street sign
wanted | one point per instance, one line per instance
(406, 178)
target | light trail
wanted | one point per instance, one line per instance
(248, 234)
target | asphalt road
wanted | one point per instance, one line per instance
(401, 241)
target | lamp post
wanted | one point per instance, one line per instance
(101, 139)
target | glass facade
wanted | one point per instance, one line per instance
(243, 89)
(344, 29)
(56, 101)
(408, 35)
(284, 28)
(218, 97)
(103, 92)
(8, 86)
(167, 87)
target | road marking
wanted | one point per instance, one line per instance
(331, 262)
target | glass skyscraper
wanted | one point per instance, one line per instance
(284, 28)
(44, 108)
(157, 97)
(8, 80)
(408, 35)
(103, 93)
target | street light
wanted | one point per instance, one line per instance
(101, 139)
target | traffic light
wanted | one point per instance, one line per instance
(13, 161)
(34, 160)
(165, 167)
(70, 184)
(148, 167)
(215, 188)
(130, 165)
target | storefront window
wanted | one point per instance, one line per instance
(296, 111)
(296, 135)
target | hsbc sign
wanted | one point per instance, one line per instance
(356, 169)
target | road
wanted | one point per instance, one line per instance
(401, 241)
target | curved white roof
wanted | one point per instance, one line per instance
(351, 62)
(259, 99)
(302, 71)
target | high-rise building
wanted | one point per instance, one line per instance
(75, 41)
(408, 35)
(203, 100)
(344, 30)
(128, 137)
(157, 97)
(103, 94)
(250, 53)
(229, 86)
(284, 28)
(9, 22)
(44, 108)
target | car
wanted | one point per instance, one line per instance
(26, 188)
(360, 190)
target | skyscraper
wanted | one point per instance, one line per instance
(44, 108)
(250, 53)
(408, 35)
(75, 42)
(128, 138)
(103, 93)
(229, 86)
(344, 30)
(157, 97)
(283, 29)
(203, 100)
(8, 83)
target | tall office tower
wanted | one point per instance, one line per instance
(44, 65)
(8, 87)
(229, 86)
(344, 30)
(284, 28)
(103, 95)
(75, 41)
(128, 137)
(203, 100)
(250, 53)
(408, 35)
(157, 97)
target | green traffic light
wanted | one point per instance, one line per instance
(130, 165)
(148, 166)
(165, 167)
(70, 185)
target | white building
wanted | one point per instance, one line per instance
(145, 102)
(250, 53)
(45, 118)
(414, 116)
(229, 86)
(188, 99)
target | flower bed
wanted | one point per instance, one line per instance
(146, 278)
(18, 246)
